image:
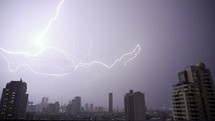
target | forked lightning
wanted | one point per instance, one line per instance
(129, 56)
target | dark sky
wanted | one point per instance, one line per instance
(171, 35)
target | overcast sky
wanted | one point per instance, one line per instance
(171, 35)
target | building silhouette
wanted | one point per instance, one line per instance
(193, 97)
(43, 104)
(53, 108)
(74, 106)
(134, 106)
(110, 102)
(86, 108)
(91, 107)
(14, 100)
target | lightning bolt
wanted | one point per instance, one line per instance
(74, 64)
(136, 51)
(40, 41)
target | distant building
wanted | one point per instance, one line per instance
(193, 97)
(43, 104)
(86, 107)
(91, 108)
(31, 108)
(100, 109)
(95, 109)
(63, 108)
(74, 106)
(134, 106)
(78, 102)
(53, 108)
(110, 102)
(82, 109)
(14, 100)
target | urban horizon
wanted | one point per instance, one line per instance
(105, 100)
(52, 110)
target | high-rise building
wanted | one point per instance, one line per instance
(134, 106)
(14, 100)
(78, 103)
(86, 107)
(110, 102)
(193, 97)
(91, 108)
(74, 106)
(43, 104)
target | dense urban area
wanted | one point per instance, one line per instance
(193, 98)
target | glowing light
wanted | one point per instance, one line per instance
(40, 42)
(74, 64)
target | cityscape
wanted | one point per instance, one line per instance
(107, 60)
(193, 98)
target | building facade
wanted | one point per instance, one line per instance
(193, 97)
(14, 100)
(134, 103)
(110, 102)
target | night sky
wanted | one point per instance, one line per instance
(171, 35)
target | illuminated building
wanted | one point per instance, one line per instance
(110, 102)
(193, 97)
(14, 100)
(134, 106)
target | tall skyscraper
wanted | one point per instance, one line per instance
(110, 102)
(193, 97)
(134, 106)
(14, 100)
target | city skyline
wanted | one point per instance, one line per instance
(171, 35)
